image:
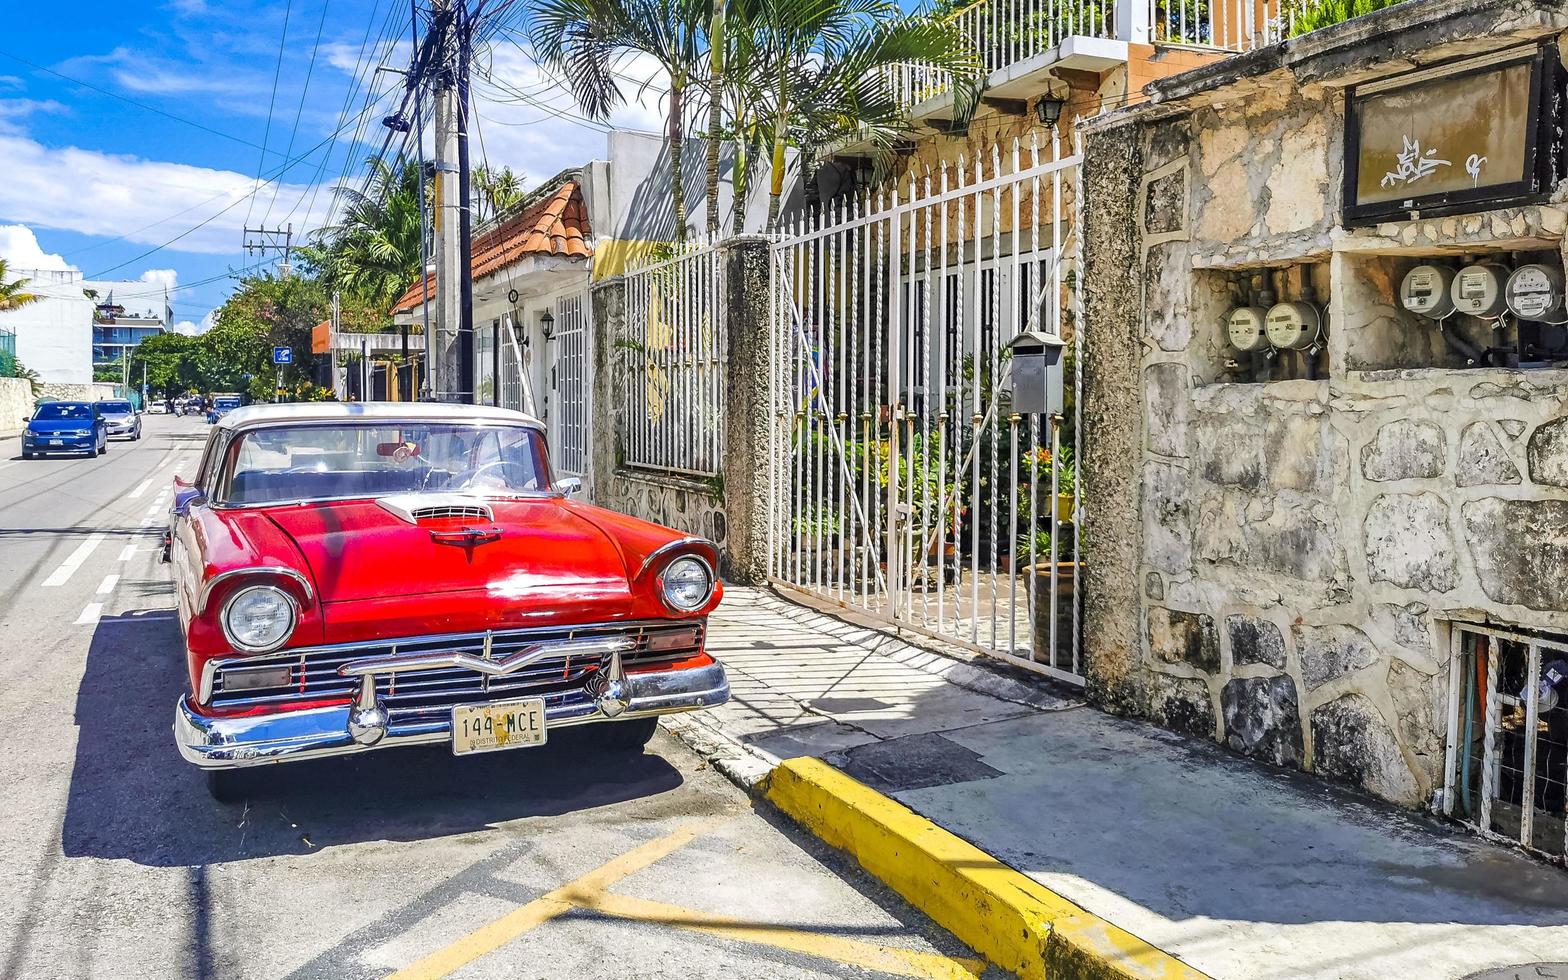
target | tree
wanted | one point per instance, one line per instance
(266, 311)
(496, 191)
(373, 252)
(13, 294)
(585, 40)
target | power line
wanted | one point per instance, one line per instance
(299, 110)
(129, 101)
(249, 195)
(277, 71)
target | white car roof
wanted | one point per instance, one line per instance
(373, 411)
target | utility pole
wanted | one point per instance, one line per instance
(451, 356)
(264, 240)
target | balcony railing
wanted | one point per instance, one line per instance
(1008, 33)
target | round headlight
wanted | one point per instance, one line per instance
(687, 584)
(259, 619)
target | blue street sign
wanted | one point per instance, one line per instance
(283, 355)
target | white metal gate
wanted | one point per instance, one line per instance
(569, 385)
(904, 482)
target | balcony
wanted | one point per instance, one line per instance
(1024, 44)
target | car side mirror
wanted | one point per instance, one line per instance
(570, 485)
(186, 497)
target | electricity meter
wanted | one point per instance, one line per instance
(1426, 291)
(1535, 292)
(1478, 290)
(1244, 326)
(1293, 326)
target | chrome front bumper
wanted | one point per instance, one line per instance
(290, 736)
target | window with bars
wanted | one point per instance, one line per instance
(1508, 735)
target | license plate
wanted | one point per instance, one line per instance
(501, 725)
(56, 442)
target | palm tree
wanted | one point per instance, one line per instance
(584, 41)
(830, 66)
(495, 191)
(373, 252)
(13, 294)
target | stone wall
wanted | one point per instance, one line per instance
(16, 404)
(1274, 565)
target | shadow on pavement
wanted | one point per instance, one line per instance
(132, 797)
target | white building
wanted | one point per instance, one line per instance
(56, 336)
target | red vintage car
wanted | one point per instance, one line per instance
(354, 577)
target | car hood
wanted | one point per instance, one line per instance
(545, 556)
(42, 426)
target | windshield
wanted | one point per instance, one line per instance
(315, 462)
(64, 410)
(115, 408)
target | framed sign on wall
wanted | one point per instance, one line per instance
(1462, 136)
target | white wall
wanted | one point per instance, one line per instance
(54, 336)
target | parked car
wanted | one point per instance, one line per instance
(121, 418)
(65, 427)
(157, 407)
(356, 577)
(221, 406)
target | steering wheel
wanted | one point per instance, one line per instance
(470, 478)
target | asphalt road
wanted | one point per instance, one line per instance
(114, 862)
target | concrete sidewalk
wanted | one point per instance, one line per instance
(1238, 869)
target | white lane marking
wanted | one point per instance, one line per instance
(127, 553)
(71, 564)
(107, 585)
(90, 614)
(141, 488)
(154, 508)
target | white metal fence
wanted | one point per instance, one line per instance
(671, 364)
(1009, 32)
(904, 482)
(1506, 765)
(569, 381)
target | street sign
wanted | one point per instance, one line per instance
(283, 355)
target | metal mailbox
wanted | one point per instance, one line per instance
(1037, 373)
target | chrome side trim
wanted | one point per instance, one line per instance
(665, 549)
(217, 580)
(399, 662)
(235, 742)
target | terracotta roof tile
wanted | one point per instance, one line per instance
(554, 225)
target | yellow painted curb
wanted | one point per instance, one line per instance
(1005, 916)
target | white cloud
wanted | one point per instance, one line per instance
(189, 329)
(10, 82)
(12, 110)
(139, 72)
(188, 7)
(161, 277)
(20, 249)
(144, 201)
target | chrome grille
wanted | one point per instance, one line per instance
(451, 510)
(313, 671)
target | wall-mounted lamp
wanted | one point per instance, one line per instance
(1049, 109)
(547, 323)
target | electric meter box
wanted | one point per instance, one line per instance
(1037, 373)
(1293, 326)
(1479, 290)
(1244, 328)
(1427, 290)
(1535, 292)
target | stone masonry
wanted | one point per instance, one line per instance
(1274, 565)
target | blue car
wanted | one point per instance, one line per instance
(65, 427)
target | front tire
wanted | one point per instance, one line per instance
(228, 785)
(621, 736)
(27, 454)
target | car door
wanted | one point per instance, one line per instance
(185, 549)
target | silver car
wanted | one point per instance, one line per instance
(121, 418)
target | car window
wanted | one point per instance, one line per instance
(209, 462)
(274, 464)
(115, 408)
(64, 410)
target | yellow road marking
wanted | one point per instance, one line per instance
(883, 959)
(488, 938)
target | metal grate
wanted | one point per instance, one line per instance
(451, 510)
(1507, 758)
(313, 671)
(571, 383)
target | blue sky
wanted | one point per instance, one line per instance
(97, 183)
